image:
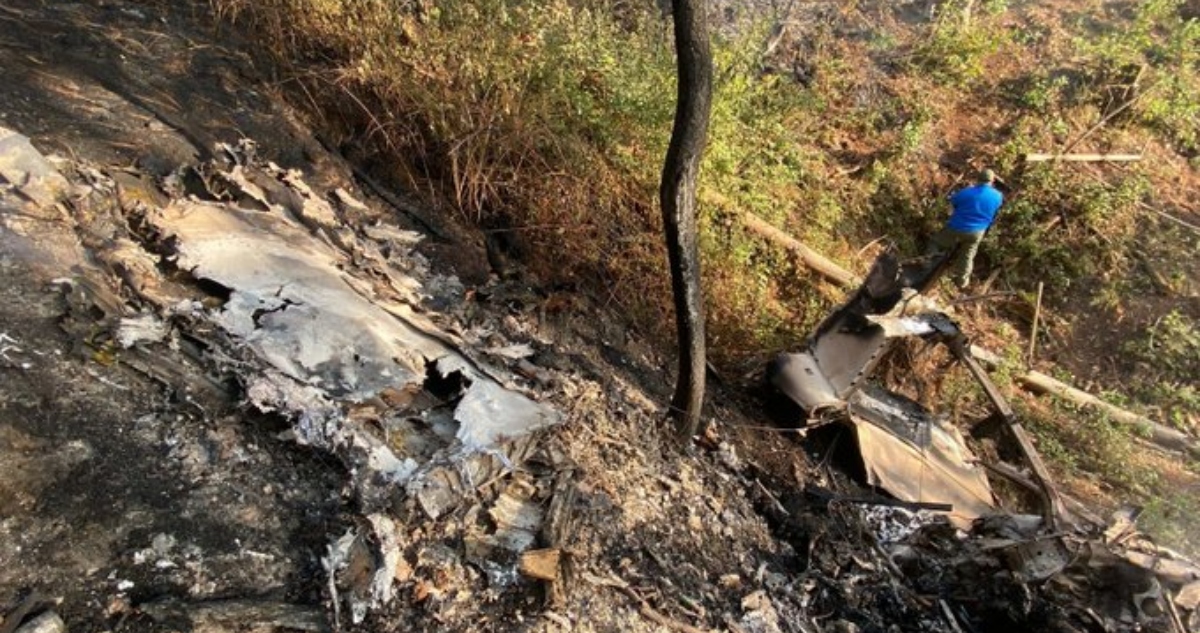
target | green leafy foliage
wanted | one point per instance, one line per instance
(959, 42)
(554, 116)
(1155, 59)
(1168, 356)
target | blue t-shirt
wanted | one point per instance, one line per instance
(974, 208)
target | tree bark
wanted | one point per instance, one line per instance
(677, 195)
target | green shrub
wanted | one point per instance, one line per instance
(1168, 354)
(958, 42)
(1155, 56)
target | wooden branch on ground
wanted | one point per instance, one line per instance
(1037, 312)
(814, 260)
(982, 297)
(644, 608)
(1111, 115)
(555, 535)
(1177, 625)
(1168, 216)
(772, 498)
(410, 210)
(1161, 283)
(1083, 158)
(1188, 225)
(950, 616)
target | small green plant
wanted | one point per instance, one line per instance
(1092, 443)
(1044, 93)
(1170, 517)
(959, 42)
(1156, 58)
(1172, 343)
(1168, 353)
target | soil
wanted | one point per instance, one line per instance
(141, 478)
(124, 488)
(118, 488)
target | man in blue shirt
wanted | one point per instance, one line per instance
(974, 213)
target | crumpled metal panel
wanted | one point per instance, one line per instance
(292, 304)
(905, 449)
(916, 456)
(850, 342)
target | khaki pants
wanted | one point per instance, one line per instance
(967, 244)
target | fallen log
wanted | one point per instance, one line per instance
(811, 258)
(1162, 436)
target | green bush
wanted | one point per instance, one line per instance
(557, 114)
(1168, 354)
(1157, 56)
(958, 43)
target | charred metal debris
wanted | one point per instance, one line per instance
(242, 267)
(1077, 573)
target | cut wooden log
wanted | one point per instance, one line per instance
(1162, 436)
(557, 530)
(1083, 158)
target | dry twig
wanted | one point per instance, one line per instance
(644, 608)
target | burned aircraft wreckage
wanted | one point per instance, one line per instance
(921, 458)
(906, 449)
(431, 434)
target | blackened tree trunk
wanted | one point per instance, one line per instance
(677, 195)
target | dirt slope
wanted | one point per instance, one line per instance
(135, 478)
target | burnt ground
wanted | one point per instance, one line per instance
(133, 479)
(137, 477)
(119, 488)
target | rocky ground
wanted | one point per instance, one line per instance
(245, 389)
